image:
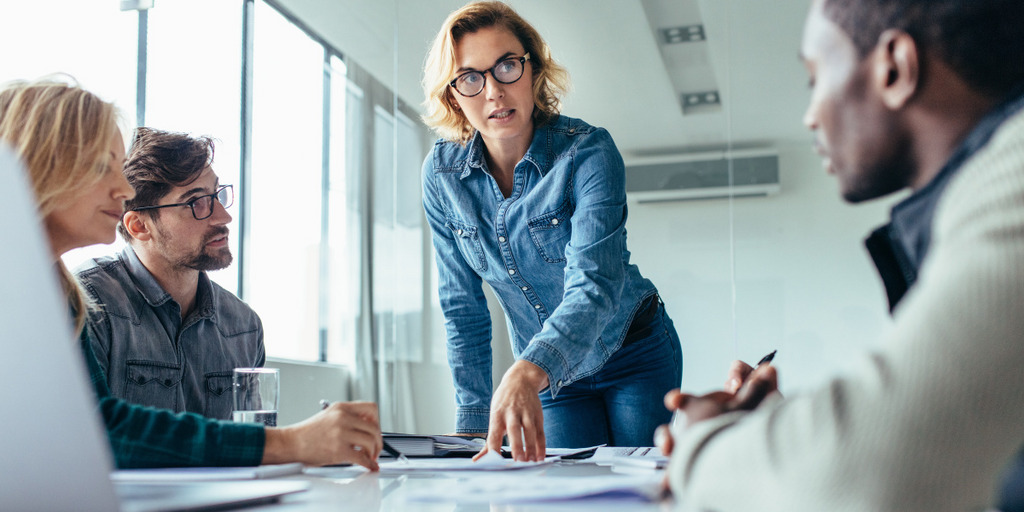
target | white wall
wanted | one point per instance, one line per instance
(804, 283)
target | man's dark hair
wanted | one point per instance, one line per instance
(159, 161)
(981, 40)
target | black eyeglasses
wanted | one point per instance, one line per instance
(506, 71)
(202, 206)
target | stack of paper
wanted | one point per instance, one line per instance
(412, 445)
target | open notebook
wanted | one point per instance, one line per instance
(55, 451)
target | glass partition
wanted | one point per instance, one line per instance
(730, 213)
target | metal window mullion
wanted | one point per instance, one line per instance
(245, 143)
(325, 203)
(140, 72)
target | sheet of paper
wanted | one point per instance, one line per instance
(489, 462)
(610, 453)
(538, 488)
(204, 474)
(636, 456)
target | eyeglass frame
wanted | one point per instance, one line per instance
(522, 62)
(191, 203)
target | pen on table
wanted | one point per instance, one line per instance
(387, 447)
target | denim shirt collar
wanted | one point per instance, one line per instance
(155, 294)
(539, 153)
(908, 235)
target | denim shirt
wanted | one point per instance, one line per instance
(554, 252)
(153, 357)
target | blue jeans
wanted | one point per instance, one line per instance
(1011, 494)
(623, 403)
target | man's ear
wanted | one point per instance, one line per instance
(137, 225)
(896, 71)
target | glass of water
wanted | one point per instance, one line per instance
(256, 392)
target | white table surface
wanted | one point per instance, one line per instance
(353, 489)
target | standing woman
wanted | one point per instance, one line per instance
(534, 203)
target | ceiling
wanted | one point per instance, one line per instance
(620, 79)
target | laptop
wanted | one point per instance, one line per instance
(54, 453)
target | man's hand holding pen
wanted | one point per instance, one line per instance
(746, 387)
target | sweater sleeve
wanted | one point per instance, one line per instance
(142, 437)
(924, 423)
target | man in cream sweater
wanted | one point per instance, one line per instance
(926, 95)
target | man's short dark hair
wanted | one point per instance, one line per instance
(159, 161)
(981, 40)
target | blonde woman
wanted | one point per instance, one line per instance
(70, 142)
(534, 203)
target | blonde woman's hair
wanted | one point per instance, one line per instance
(62, 133)
(550, 80)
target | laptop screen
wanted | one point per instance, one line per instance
(55, 452)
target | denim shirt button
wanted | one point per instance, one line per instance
(501, 239)
(511, 271)
(525, 288)
(554, 222)
(167, 382)
(141, 379)
(559, 383)
(536, 306)
(459, 232)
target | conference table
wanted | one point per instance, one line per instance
(355, 489)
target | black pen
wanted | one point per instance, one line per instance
(387, 447)
(766, 359)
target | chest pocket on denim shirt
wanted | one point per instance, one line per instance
(153, 384)
(551, 232)
(469, 243)
(219, 397)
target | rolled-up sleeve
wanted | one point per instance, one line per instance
(594, 269)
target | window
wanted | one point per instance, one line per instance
(398, 298)
(342, 305)
(326, 146)
(192, 86)
(283, 263)
(92, 41)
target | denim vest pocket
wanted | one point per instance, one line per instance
(219, 398)
(153, 384)
(550, 233)
(469, 243)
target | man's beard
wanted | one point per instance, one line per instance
(204, 261)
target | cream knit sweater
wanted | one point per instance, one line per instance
(927, 422)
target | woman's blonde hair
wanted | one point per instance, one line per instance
(62, 133)
(550, 80)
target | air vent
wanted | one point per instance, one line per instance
(703, 176)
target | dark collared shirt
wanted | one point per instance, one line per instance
(153, 357)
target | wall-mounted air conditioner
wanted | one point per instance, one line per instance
(703, 176)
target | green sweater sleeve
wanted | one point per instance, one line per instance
(146, 437)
